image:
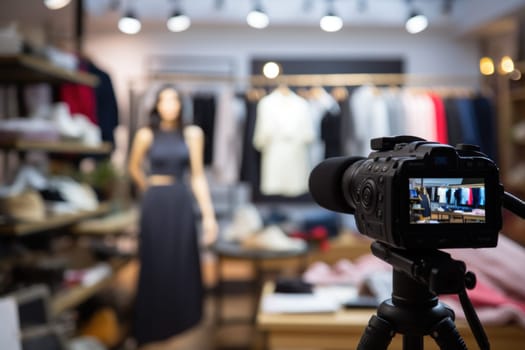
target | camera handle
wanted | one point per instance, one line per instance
(514, 204)
(414, 309)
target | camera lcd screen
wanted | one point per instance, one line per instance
(446, 200)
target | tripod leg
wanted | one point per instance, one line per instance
(447, 336)
(412, 342)
(377, 335)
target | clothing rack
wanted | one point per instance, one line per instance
(357, 79)
(306, 80)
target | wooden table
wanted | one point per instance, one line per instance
(343, 330)
(233, 251)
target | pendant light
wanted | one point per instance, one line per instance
(178, 22)
(331, 22)
(129, 23)
(56, 4)
(416, 22)
(257, 18)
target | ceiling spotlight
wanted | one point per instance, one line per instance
(129, 24)
(416, 23)
(56, 4)
(331, 23)
(257, 18)
(178, 22)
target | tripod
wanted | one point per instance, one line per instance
(414, 309)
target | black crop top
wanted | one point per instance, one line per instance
(168, 154)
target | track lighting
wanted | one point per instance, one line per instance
(129, 23)
(178, 22)
(56, 4)
(331, 22)
(416, 23)
(257, 18)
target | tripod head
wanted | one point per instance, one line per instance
(420, 276)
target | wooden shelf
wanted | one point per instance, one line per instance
(52, 222)
(74, 296)
(27, 69)
(70, 147)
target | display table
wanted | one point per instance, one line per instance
(343, 330)
(233, 251)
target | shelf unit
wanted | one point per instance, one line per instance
(28, 69)
(52, 222)
(73, 296)
(20, 70)
(70, 147)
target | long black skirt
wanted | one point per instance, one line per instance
(170, 293)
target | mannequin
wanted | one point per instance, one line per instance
(169, 294)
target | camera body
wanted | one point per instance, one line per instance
(415, 194)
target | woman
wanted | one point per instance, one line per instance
(169, 295)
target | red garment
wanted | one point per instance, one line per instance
(441, 118)
(80, 99)
(483, 295)
(317, 234)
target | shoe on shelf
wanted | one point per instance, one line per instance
(246, 222)
(80, 196)
(91, 134)
(66, 124)
(272, 238)
(27, 177)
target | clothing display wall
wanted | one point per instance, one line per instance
(81, 113)
(248, 137)
(98, 103)
(446, 118)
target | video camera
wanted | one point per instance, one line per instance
(414, 194)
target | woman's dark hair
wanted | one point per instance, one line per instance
(154, 116)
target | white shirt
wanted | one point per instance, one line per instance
(283, 132)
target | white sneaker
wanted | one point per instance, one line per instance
(28, 177)
(246, 222)
(81, 196)
(91, 134)
(65, 123)
(272, 238)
